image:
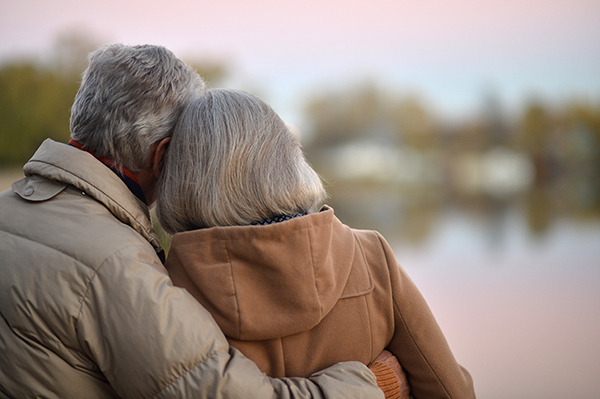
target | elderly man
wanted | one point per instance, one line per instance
(88, 310)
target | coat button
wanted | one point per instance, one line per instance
(28, 192)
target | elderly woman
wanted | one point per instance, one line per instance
(294, 290)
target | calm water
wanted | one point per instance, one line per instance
(522, 314)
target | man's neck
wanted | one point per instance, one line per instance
(137, 182)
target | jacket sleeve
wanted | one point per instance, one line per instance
(418, 341)
(153, 340)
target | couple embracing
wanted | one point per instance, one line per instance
(264, 294)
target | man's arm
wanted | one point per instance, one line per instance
(235, 376)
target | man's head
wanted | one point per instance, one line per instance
(129, 99)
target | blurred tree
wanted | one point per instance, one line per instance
(494, 120)
(214, 73)
(36, 97)
(582, 122)
(367, 112)
(536, 126)
(34, 105)
(341, 117)
(582, 131)
(68, 56)
(413, 123)
(539, 135)
(540, 210)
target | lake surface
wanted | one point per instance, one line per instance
(521, 313)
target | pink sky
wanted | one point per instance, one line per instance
(449, 51)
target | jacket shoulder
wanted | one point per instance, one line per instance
(41, 212)
(375, 247)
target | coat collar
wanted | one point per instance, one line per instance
(67, 164)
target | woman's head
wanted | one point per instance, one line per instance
(233, 161)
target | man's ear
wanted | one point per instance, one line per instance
(157, 154)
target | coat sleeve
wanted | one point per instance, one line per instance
(153, 340)
(418, 341)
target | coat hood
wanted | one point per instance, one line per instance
(264, 282)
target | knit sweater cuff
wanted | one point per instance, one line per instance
(386, 380)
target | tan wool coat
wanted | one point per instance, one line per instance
(306, 293)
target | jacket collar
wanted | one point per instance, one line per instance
(128, 178)
(64, 163)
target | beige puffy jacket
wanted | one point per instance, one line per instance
(88, 311)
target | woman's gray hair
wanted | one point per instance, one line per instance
(130, 98)
(233, 161)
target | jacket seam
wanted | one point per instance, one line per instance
(371, 286)
(371, 338)
(46, 246)
(405, 325)
(28, 335)
(25, 334)
(4, 392)
(312, 264)
(185, 372)
(363, 295)
(88, 283)
(93, 185)
(235, 294)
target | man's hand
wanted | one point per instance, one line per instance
(388, 359)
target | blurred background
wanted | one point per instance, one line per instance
(466, 132)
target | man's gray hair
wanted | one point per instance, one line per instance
(130, 98)
(233, 161)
